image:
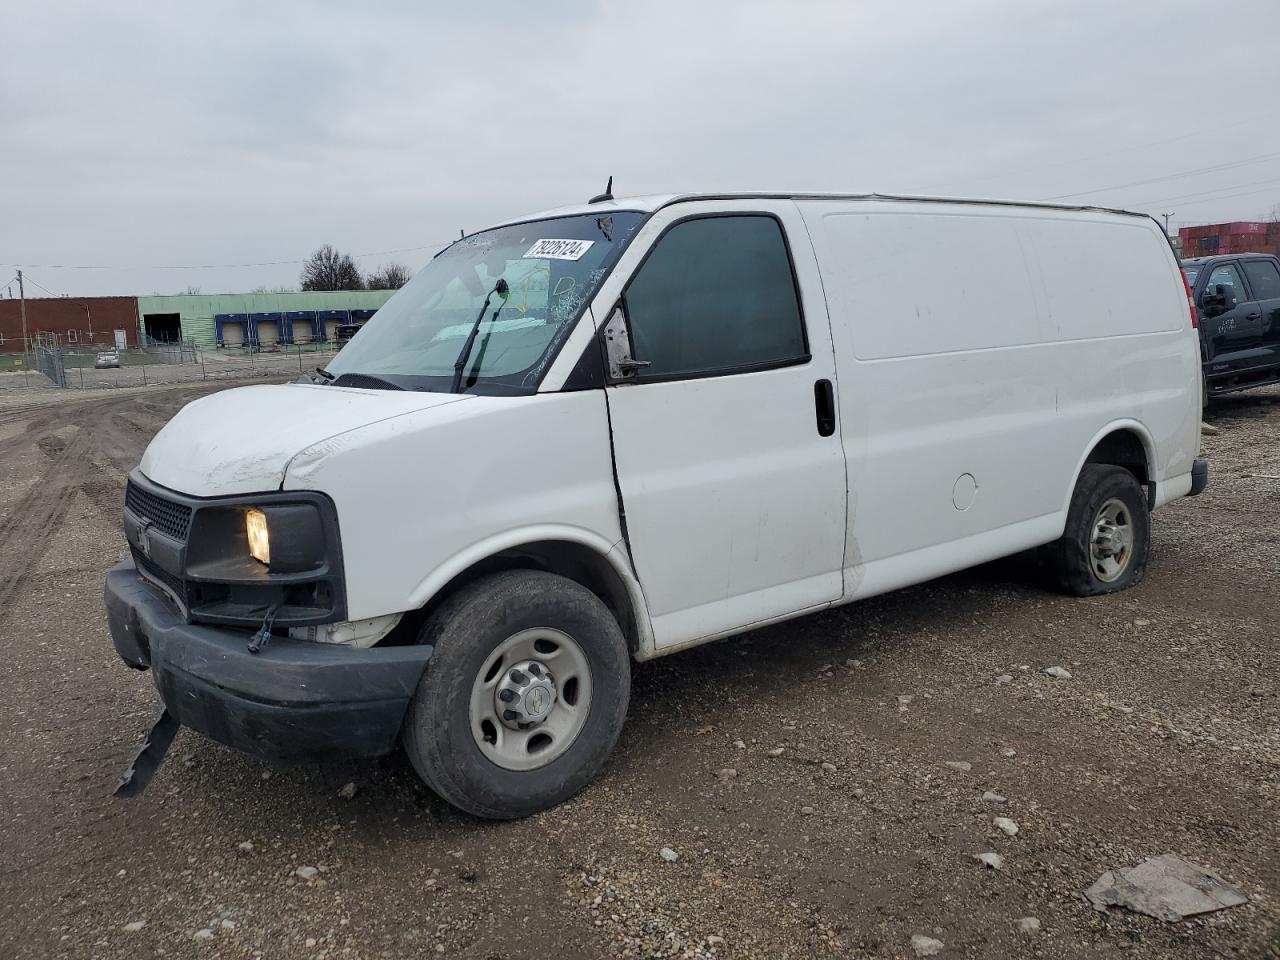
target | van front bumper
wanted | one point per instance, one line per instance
(294, 701)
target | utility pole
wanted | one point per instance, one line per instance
(1166, 222)
(22, 296)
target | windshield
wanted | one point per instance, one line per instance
(552, 268)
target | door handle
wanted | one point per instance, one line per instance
(1252, 316)
(824, 402)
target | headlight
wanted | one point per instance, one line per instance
(255, 528)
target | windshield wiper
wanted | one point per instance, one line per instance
(328, 377)
(500, 288)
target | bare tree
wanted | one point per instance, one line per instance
(327, 269)
(1274, 215)
(391, 276)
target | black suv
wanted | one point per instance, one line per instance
(1238, 299)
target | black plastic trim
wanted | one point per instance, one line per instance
(1199, 477)
(172, 559)
(295, 700)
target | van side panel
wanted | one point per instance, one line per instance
(980, 351)
(421, 495)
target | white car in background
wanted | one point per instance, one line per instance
(106, 359)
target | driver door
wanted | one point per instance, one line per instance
(1233, 326)
(725, 438)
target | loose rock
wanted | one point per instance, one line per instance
(245, 846)
(828, 766)
(135, 926)
(205, 934)
(348, 791)
(776, 752)
(306, 873)
(1058, 673)
(991, 796)
(669, 855)
(1028, 924)
(1165, 887)
(739, 745)
(1209, 430)
(989, 859)
(807, 811)
(964, 766)
(1006, 825)
(726, 773)
(925, 946)
(1005, 678)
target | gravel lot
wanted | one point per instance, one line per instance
(892, 716)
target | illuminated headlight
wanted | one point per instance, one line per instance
(255, 528)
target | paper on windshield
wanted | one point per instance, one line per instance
(559, 249)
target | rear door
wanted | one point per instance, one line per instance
(1233, 328)
(726, 444)
(1263, 277)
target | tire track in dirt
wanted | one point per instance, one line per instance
(25, 533)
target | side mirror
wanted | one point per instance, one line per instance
(1214, 300)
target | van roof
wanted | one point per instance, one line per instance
(653, 202)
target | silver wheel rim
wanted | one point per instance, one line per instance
(530, 699)
(1111, 546)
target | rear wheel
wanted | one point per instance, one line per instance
(524, 696)
(1107, 538)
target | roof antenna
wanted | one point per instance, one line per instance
(462, 234)
(607, 195)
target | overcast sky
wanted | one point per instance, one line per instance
(138, 136)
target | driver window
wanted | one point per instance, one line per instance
(716, 296)
(1232, 286)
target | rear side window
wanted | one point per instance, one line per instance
(1227, 277)
(716, 295)
(1264, 278)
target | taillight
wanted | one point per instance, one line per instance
(1191, 301)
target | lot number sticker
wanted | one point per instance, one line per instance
(559, 249)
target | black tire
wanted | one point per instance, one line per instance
(465, 630)
(1070, 560)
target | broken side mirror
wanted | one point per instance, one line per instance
(1214, 300)
(617, 347)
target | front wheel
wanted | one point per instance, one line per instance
(1107, 538)
(524, 696)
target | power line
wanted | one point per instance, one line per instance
(1171, 176)
(1098, 156)
(1209, 194)
(41, 286)
(214, 266)
(1189, 201)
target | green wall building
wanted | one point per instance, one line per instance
(236, 320)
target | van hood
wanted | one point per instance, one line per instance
(241, 441)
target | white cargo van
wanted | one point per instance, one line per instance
(609, 432)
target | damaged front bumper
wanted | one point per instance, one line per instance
(294, 701)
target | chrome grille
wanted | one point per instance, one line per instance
(171, 519)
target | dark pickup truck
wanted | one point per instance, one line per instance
(1238, 300)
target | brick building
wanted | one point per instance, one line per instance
(1241, 236)
(76, 320)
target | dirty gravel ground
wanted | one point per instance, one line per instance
(859, 835)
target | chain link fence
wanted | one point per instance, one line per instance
(53, 364)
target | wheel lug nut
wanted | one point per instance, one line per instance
(535, 669)
(506, 696)
(517, 676)
(509, 715)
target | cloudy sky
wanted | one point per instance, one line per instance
(142, 137)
